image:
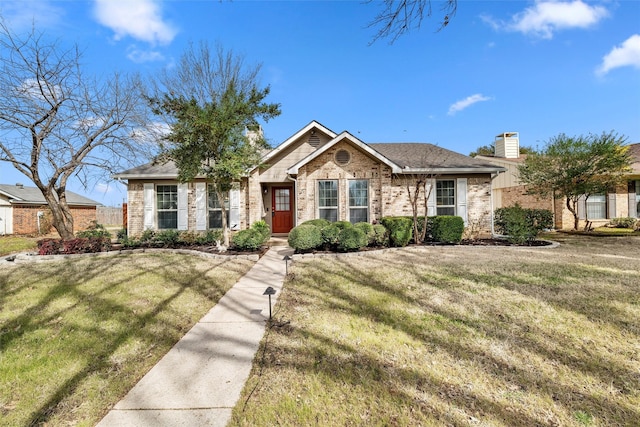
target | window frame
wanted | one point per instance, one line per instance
(438, 197)
(217, 208)
(320, 198)
(591, 204)
(365, 206)
(162, 211)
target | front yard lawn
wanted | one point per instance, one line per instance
(13, 244)
(76, 335)
(455, 335)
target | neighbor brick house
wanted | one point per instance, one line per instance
(316, 173)
(23, 210)
(623, 201)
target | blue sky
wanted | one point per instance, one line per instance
(536, 67)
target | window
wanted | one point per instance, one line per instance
(359, 201)
(597, 206)
(328, 200)
(215, 209)
(446, 197)
(167, 203)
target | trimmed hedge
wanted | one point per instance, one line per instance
(330, 236)
(305, 237)
(380, 236)
(250, 239)
(400, 230)
(367, 229)
(522, 225)
(447, 228)
(351, 239)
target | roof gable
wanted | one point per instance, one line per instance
(295, 138)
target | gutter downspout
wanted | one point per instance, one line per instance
(493, 176)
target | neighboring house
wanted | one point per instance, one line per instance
(316, 173)
(598, 208)
(23, 210)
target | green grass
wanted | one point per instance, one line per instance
(13, 244)
(76, 335)
(455, 336)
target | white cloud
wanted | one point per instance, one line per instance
(546, 17)
(627, 54)
(467, 102)
(23, 14)
(103, 187)
(139, 55)
(140, 19)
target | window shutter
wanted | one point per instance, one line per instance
(183, 216)
(201, 206)
(431, 201)
(611, 205)
(582, 207)
(461, 190)
(234, 209)
(149, 205)
(633, 210)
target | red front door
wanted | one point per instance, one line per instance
(281, 209)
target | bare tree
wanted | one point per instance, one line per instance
(398, 17)
(419, 187)
(56, 124)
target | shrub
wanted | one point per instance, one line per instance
(512, 222)
(49, 246)
(187, 238)
(330, 236)
(94, 230)
(351, 239)
(147, 236)
(209, 237)
(380, 236)
(400, 230)
(305, 238)
(166, 238)
(263, 228)
(447, 228)
(319, 222)
(248, 240)
(78, 245)
(624, 222)
(367, 229)
(343, 224)
(121, 234)
(540, 219)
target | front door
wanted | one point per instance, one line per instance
(281, 209)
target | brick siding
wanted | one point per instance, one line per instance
(25, 218)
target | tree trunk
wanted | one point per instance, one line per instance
(572, 206)
(61, 217)
(223, 209)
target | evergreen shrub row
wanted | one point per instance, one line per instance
(521, 225)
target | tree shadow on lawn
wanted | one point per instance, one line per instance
(473, 319)
(106, 323)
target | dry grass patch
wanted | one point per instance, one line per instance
(13, 244)
(455, 336)
(76, 335)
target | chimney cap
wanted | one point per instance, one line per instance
(507, 134)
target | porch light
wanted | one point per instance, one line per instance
(269, 291)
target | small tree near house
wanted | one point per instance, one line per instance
(210, 99)
(576, 167)
(419, 188)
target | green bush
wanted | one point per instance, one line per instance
(351, 239)
(367, 229)
(94, 230)
(305, 237)
(210, 237)
(330, 236)
(248, 240)
(147, 236)
(624, 222)
(447, 228)
(166, 238)
(319, 222)
(121, 234)
(380, 236)
(343, 224)
(263, 228)
(400, 230)
(522, 225)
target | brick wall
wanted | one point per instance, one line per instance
(25, 218)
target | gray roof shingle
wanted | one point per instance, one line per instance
(427, 156)
(32, 195)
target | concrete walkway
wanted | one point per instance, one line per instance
(198, 382)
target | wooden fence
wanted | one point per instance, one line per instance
(107, 215)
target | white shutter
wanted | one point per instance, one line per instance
(183, 204)
(234, 209)
(201, 206)
(149, 204)
(582, 207)
(431, 201)
(461, 199)
(633, 203)
(611, 205)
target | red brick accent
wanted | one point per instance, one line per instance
(25, 218)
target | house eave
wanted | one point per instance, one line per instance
(449, 171)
